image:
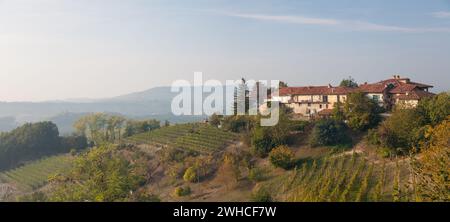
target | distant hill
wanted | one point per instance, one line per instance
(153, 103)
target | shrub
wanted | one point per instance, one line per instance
(191, 175)
(256, 174)
(372, 137)
(401, 131)
(261, 195)
(435, 108)
(282, 157)
(329, 132)
(182, 191)
(146, 197)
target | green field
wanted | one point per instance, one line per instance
(196, 137)
(35, 174)
(342, 179)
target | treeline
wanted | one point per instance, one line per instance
(101, 128)
(33, 141)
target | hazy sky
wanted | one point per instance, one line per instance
(55, 49)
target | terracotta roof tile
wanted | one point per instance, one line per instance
(372, 88)
(315, 90)
(414, 95)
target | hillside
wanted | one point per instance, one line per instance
(35, 175)
(193, 137)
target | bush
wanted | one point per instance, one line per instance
(282, 157)
(402, 131)
(435, 108)
(182, 191)
(261, 195)
(256, 175)
(329, 132)
(372, 137)
(191, 175)
(146, 197)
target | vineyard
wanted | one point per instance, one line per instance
(195, 137)
(35, 175)
(348, 178)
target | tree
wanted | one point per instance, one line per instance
(361, 112)
(283, 84)
(431, 170)
(241, 97)
(402, 130)
(282, 157)
(435, 108)
(29, 142)
(349, 82)
(134, 127)
(264, 139)
(102, 128)
(100, 175)
(329, 132)
(191, 175)
(338, 112)
(215, 120)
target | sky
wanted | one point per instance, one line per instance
(59, 49)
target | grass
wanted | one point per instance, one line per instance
(200, 138)
(35, 174)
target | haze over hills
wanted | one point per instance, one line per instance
(152, 103)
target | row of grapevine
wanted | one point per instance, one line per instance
(344, 178)
(196, 137)
(34, 175)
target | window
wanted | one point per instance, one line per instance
(325, 99)
(320, 106)
(376, 98)
(309, 104)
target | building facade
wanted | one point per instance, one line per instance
(318, 101)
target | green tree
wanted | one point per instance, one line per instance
(401, 131)
(329, 132)
(435, 108)
(349, 82)
(264, 139)
(29, 142)
(361, 112)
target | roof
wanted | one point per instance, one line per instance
(395, 86)
(372, 88)
(414, 95)
(403, 88)
(315, 90)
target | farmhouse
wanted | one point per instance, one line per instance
(315, 101)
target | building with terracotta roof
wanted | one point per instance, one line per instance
(311, 101)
